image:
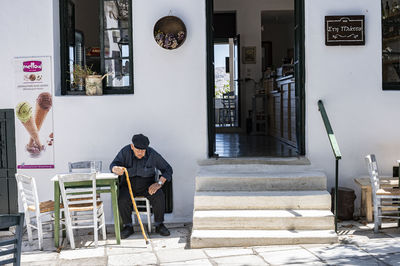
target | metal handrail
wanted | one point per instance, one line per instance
(336, 153)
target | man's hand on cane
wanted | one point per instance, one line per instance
(118, 170)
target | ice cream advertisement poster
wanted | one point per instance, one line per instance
(34, 112)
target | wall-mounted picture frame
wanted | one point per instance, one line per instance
(249, 55)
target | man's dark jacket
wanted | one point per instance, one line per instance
(145, 167)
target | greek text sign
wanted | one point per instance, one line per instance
(344, 30)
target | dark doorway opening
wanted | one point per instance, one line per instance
(255, 79)
(8, 184)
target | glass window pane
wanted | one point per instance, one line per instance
(119, 69)
(390, 44)
(105, 47)
(116, 43)
(116, 14)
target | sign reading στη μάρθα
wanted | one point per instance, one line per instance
(344, 30)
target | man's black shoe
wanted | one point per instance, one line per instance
(162, 230)
(127, 231)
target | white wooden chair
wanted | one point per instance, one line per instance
(383, 194)
(35, 211)
(147, 212)
(81, 207)
(148, 206)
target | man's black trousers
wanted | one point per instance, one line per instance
(140, 187)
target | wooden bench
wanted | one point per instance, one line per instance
(366, 194)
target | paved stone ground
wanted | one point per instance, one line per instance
(358, 246)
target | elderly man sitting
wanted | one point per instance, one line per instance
(140, 160)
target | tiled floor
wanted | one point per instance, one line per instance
(242, 145)
(358, 245)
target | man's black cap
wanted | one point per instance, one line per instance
(140, 141)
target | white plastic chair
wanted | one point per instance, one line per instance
(78, 201)
(85, 166)
(33, 209)
(383, 194)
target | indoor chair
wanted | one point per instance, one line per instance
(81, 207)
(34, 210)
(383, 193)
(228, 112)
(6, 250)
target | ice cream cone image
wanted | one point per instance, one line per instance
(43, 105)
(24, 114)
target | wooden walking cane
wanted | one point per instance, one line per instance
(134, 206)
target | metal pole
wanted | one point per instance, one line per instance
(336, 192)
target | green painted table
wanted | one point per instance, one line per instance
(105, 183)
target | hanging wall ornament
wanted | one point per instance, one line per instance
(170, 32)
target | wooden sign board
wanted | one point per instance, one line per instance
(344, 30)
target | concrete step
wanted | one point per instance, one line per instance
(298, 160)
(241, 180)
(249, 168)
(262, 200)
(246, 238)
(264, 219)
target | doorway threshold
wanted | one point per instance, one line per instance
(300, 160)
(236, 145)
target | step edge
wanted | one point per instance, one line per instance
(303, 213)
(235, 193)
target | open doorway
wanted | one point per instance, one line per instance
(226, 60)
(257, 110)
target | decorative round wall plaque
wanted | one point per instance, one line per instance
(170, 32)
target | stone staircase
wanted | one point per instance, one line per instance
(261, 204)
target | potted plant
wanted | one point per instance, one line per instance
(94, 85)
(85, 77)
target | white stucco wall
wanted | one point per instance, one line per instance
(169, 104)
(348, 80)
